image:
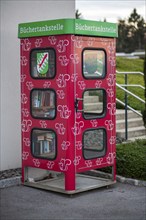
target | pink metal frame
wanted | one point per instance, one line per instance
(69, 125)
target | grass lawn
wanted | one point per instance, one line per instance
(129, 65)
(131, 157)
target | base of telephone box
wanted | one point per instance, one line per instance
(83, 183)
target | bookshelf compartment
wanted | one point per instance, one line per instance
(94, 63)
(94, 103)
(94, 143)
(43, 103)
(43, 143)
(43, 63)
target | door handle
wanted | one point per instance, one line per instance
(77, 104)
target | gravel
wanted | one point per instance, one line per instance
(10, 173)
(17, 172)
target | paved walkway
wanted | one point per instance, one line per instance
(118, 202)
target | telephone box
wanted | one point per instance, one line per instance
(67, 103)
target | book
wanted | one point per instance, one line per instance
(46, 147)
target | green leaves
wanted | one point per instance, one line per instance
(131, 33)
(131, 160)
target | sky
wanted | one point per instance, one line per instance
(112, 10)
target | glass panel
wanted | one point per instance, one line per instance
(43, 63)
(44, 143)
(43, 103)
(94, 143)
(94, 63)
(93, 103)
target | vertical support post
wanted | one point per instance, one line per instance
(114, 172)
(126, 110)
(70, 180)
(70, 167)
(24, 171)
(23, 175)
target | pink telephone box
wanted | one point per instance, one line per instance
(67, 103)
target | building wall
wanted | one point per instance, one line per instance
(13, 13)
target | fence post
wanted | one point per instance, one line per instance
(126, 109)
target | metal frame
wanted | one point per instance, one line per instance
(83, 183)
(69, 124)
(126, 97)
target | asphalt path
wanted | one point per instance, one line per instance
(118, 202)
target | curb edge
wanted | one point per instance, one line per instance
(120, 179)
(16, 181)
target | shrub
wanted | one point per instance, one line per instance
(131, 160)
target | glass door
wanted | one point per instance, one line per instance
(91, 104)
(94, 127)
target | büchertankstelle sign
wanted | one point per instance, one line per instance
(67, 26)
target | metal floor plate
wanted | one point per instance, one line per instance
(83, 183)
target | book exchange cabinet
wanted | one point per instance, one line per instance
(67, 103)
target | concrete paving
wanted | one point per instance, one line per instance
(118, 202)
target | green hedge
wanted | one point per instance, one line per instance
(131, 160)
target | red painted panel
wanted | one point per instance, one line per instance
(68, 84)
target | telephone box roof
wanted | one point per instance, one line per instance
(67, 26)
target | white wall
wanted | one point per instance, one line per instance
(13, 13)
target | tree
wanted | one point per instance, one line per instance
(78, 14)
(134, 18)
(131, 33)
(122, 40)
(137, 29)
